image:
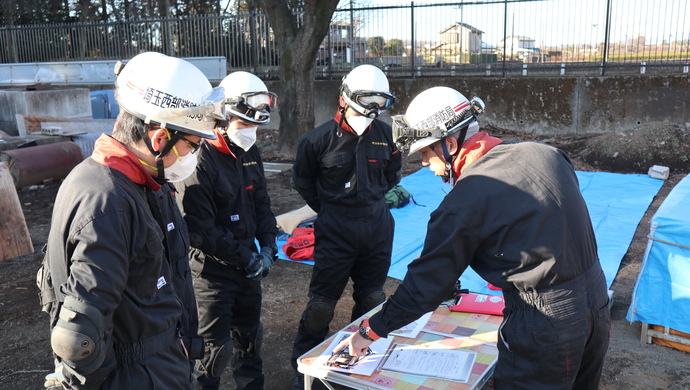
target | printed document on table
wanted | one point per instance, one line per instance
(344, 362)
(412, 329)
(451, 364)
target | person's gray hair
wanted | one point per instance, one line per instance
(128, 128)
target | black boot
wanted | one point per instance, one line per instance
(298, 381)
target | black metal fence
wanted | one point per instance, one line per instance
(495, 38)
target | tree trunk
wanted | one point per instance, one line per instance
(104, 11)
(298, 47)
(8, 13)
(84, 16)
(16, 239)
(296, 100)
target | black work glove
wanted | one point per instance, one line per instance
(260, 263)
(273, 247)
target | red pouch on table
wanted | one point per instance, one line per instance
(479, 303)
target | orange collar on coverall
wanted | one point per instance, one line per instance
(472, 149)
(111, 153)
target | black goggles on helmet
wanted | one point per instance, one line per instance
(259, 101)
(371, 103)
(254, 107)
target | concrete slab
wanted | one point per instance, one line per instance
(60, 103)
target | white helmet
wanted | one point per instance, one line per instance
(169, 92)
(247, 98)
(365, 89)
(434, 115)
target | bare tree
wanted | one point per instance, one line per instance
(298, 41)
(375, 46)
(8, 8)
(85, 10)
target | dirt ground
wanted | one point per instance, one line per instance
(629, 365)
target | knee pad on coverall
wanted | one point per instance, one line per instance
(365, 302)
(319, 313)
(216, 358)
(372, 300)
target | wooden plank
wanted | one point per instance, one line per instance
(644, 337)
(15, 240)
(666, 335)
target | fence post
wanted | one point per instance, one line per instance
(643, 67)
(505, 34)
(120, 33)
(562, 69)
(13, 45)
(254, 42)
(686, 67)
(524, 69)
(167, 36)
(488, 70)
(330, 56)
(607, 34)
(412, 40)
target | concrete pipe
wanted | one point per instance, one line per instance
(36, 164)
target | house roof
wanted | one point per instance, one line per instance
(465, 25)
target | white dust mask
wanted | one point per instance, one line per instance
(244, 138)
(182, 168)
(359, 123)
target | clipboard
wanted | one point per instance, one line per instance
(479, 303)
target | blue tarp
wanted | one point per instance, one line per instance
(616, 204)
(662, 292)
(104, 105)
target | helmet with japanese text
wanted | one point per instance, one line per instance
(169, 92)
(247, 98)
(435, 114)
(365, 89)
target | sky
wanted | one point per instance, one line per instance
(549, 23)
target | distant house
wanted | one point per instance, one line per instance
(458, 39)
(517, 47)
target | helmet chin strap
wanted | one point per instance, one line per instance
(342, 109)
(160, 167)
(448, 176)
(223, 129)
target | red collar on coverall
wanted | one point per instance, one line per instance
(475, 147)
(110, 152)
(220, 143)
(344, 125)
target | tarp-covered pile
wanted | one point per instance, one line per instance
(662, 292)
